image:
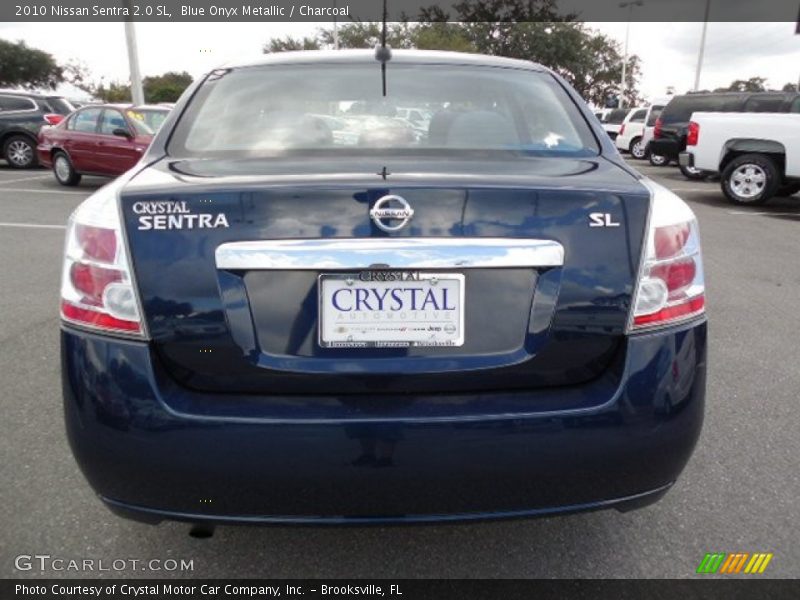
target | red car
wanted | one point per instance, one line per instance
(106, 139)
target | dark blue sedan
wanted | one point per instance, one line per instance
(300, 307)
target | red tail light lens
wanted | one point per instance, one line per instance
(671, 284)
(96, 287)
(677, 312)
(97, 243)
(657, 129)
(671, 239)
(622, 129)
(92, 281)
(53, 119)
(678, 275)
(693, 134)
(96, 319)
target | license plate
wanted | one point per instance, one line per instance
(391, 309)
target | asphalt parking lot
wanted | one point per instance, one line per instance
(739, 493)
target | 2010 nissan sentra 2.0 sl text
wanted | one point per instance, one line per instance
(363, 287)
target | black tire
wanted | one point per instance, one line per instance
(637, 149)
(693, 174)
(20, 152)
(750, 179)
(790, 189)
(657, 160)
(63, 170)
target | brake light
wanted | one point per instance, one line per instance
(693, 134)
(53, 119)
(96, 287)
(657, 128)
(671, 286)
(622, 129)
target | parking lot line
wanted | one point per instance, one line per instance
(693, 189)
(33, 225)
(747, 213)
(18, 179)
(33, 191)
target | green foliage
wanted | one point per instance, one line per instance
(167, 87)
(754, 84)
(158, 88)
(523, 29)
(441, 36)
(289, 44)
(367, 35)
(791, 87)
(114, 92)
(27, 67)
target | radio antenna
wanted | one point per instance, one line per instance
(383, 53)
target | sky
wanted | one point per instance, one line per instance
(668, 50)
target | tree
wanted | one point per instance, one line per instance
(754, 84)
(23, 66)
(791, 87)
(524, 29)
(502, 27)
(289, 44)
(368, 35)
(157, 88)
(114, 92)
(167, 87)
(77, 74)
(534, 30)
(441, 36)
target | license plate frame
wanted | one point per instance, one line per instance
(416, 338)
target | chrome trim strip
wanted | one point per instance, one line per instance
(393, 253)
(647, 183)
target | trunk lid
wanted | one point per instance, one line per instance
(250, 327)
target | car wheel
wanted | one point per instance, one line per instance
(20, 152)
(693, 173)
(637, 149)
(788, 190)
(657, 160)
(750, 179)
(64, 171)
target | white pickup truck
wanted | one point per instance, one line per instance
(757, 155)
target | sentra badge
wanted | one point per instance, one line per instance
(167, 214)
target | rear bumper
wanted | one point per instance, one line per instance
(667, 148)
(150, 458)
(43, 151)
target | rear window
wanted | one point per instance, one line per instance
(333, 108)
(85, 120)
(638, 116)
(655, 112)
(151, 119)
(60, 106)
(680, 109)
(13, 103)
(616, 116)
(111, 121)
(765, 103)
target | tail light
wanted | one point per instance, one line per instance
(53, 119)
(622, 129)
(657, 128)
(671, 285)
(693, 134)
(97, 289)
